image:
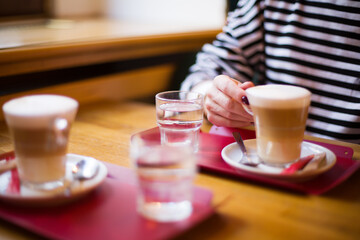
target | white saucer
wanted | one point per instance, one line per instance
(30, 197)
(232, 153)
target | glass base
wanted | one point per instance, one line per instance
(47, 186)
(166, 211)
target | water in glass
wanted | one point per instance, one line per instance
(165, 177)
(180, 123)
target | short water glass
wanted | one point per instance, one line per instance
(179, 116)
(165, 177)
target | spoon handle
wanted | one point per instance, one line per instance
(240, 142)
(245, 160)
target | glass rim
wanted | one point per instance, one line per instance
(140, 146)
(141, 138)
(199, 95)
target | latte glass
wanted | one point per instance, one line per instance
(39, 126)
(280, 114)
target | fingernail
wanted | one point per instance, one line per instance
(245, 100)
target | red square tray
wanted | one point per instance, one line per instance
(107, 213)
(210, 160)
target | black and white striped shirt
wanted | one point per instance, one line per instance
(314, 44)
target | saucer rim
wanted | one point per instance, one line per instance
(300, 175)
(77, 191)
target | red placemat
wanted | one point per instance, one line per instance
(219, 137)
(209, 159)
(107, 213)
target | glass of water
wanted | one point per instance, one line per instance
(165, 176)
(179, 116)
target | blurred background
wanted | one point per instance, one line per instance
(203, 11)
(47, 43)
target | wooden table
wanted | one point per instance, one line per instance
(244, 210)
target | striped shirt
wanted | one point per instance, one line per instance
(314, 44)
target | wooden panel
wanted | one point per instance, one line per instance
(126, 85)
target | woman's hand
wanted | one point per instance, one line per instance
(223, 104)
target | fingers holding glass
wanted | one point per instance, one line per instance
(223, 116)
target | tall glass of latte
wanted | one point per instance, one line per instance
(280, 114)
(39, 126)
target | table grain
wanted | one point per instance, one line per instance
(244, 210)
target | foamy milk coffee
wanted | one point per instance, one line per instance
(39, 126)
(280, 114)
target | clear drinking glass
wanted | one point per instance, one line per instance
(179, 116)
(165, 177)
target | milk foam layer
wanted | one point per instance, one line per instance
(278, 96)
(37, 110)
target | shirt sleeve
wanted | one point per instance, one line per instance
(238, 51)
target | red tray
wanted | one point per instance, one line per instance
(209, 159)
(219, 137)
(107, 213)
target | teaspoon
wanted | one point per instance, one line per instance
(82, 170)
(245, 159)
